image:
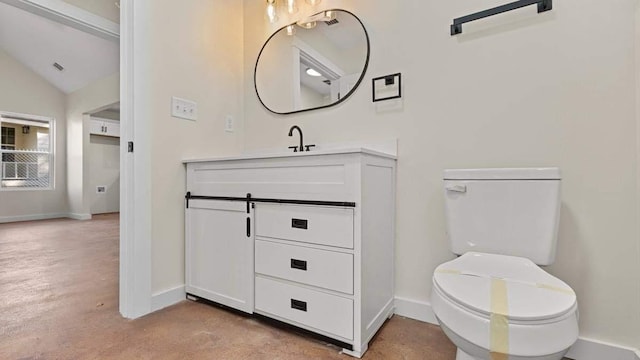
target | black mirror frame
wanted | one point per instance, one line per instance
(342, 99)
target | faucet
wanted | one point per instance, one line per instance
(302, 146)
(296, 127)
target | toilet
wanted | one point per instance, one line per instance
(494, 301)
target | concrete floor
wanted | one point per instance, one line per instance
(59, 300)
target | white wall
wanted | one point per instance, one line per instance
(98, 94)
(23, 91)
(522, 89)
(275, 72)
(310, 98)
(193, 51)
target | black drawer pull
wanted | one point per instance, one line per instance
(299, 305)
(298, 264)
(299, 224)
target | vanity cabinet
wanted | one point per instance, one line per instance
(306, 239)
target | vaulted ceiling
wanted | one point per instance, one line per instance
(38, 43)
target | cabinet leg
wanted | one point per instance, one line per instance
(354, 353)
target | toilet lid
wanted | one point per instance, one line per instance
(532, 293)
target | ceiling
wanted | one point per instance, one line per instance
(345, 34)
(38, 43)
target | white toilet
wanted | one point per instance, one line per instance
(493, 301)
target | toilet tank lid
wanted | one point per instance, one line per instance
(551, 173)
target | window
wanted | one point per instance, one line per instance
(26, 149)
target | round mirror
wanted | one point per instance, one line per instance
(312, 64)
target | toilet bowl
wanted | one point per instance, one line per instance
(495, 306)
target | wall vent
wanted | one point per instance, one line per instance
(332, 22)
(58, 66)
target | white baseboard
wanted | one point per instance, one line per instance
(79, 216)
(167, 298)
(583, 349)
(417, 310)
(589, 349)
(10, 219)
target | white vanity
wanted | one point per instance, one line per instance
(302, 238)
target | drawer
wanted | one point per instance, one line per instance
(326, 269)
(329, 313)
(310, 224)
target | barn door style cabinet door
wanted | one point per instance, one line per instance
(219, 253)
(306, 239)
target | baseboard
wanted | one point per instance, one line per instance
(167, 298)
(583, 349)
(414, 309)
(10, 219)
(79, 216)
(589, 349)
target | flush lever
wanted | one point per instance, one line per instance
(457, 188)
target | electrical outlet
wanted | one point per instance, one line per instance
(228, 123)
(101, 189)
(184, 109)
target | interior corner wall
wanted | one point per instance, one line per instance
(192, 51)
(23, 91)
(517, 90)
(100, 93)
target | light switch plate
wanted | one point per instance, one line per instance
(184, 109)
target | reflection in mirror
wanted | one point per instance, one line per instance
(301, 69)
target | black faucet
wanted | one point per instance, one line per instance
(302, 145)
(295, 127)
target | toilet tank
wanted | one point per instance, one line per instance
(504, 211)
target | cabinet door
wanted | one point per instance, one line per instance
(219, 252)
(96, 127)
(112, 128)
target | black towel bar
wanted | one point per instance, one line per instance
(543, 5)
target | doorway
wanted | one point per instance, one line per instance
(102, 160)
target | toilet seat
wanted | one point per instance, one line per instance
(534, 294)
(542, 310)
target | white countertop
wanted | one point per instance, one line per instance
(290, 153)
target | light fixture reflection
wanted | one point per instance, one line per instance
(313, 72)
(329, 15)
(307, 25)
(313, 2)
(291, 30)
